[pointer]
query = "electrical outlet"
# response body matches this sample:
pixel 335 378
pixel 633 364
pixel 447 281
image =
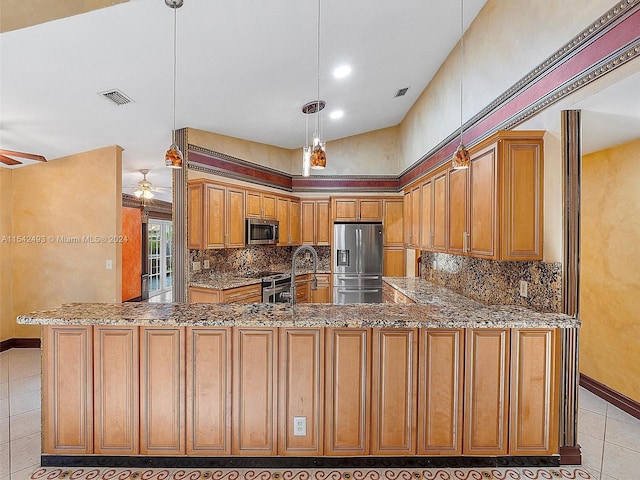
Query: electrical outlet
pixel 299 426
pixel 523 288
pixel 196 266
pixel 205 264
pixel 307 255
pixel 109 265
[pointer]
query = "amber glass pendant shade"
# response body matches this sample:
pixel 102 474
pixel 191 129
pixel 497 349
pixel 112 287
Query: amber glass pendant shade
pixel 461 158
pixel 173 158
pixel 318 158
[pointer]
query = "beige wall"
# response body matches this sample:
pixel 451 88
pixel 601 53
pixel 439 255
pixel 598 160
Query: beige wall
pixel 523 34
pixel 71 197
pixel 6 248
pixel 553 246
pixel 610 279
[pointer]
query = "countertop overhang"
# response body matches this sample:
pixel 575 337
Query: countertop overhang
pixel 436 307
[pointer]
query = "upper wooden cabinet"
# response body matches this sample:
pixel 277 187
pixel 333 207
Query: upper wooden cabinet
pixel 288 214
pixel 260 204
pixel 412 217
pixel 491 210
pixel 392 222
pixel 316 222
pixel 215 215
pixel 356 209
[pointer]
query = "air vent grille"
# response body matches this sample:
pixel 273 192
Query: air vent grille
pixel 401 92
pixel 116 96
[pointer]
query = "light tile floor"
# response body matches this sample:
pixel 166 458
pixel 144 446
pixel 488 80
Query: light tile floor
pixel 610 441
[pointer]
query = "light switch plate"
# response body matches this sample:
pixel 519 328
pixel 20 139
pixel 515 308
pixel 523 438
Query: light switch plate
pixel 196 266
pixel 523 288
pixel 205 264
pixel 109 265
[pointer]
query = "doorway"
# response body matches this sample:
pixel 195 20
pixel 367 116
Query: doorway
pixel 160 261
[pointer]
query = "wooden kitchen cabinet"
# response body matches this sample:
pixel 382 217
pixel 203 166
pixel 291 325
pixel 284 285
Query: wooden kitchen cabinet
pixel 316 222
pixel 288 215
pixel 412 217
pixel 245 294
pixel 393 262
pixel 301 392
pixel 260 204
pixel 348 394
pixel 440 399
pixel 302 288
pixel 533 420
pixel 394 391
pixel 393 222
pixel 486 403
pixel 208 387
pixel 391 295
pixel 356 209
pixel 255 380
pixel 67 394
pixel 323 293
pixel 426 215
pixel 162 391
pixel 440 209
pixel 116 390
pixel 457 219
pixel 215 215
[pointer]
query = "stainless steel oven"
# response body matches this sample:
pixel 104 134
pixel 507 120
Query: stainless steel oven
pixel 273 287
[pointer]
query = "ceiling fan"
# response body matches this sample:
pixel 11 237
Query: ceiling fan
pixel 144 188
pixel 7 157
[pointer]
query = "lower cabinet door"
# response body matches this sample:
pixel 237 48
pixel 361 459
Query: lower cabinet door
pixel 348 396
pixel 301 396
pixel 255 380
pixel 67 415
pixel 116 390
pixel 394 387
pixel 208 391
pixel 441 371
pixel 534 392
pixel 162 391
pixel 486 392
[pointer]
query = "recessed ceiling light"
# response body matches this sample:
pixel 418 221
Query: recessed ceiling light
pixel 342 71
pixel 336 114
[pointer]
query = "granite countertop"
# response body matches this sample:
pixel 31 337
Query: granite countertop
pixel 437 307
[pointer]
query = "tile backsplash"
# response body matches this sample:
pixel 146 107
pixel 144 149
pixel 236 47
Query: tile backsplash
pixel 497 283
pixel 240 262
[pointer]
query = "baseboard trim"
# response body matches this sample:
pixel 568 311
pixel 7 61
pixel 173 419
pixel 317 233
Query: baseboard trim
pixel 142 461
pixel 19 343
pixel 570 455
pixel 624 403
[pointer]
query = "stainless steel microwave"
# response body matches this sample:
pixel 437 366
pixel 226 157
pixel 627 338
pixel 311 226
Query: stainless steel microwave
pixel 262 232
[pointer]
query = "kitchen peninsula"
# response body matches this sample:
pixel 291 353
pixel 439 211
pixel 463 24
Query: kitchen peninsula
pixel 211 383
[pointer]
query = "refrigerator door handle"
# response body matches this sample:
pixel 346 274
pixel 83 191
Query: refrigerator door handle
pixel 361 277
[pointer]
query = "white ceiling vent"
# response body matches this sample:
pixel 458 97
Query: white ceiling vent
pixel 116 96
pixel 401 92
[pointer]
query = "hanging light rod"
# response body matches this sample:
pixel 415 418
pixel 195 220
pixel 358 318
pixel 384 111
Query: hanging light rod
pixel 173 158
pixel 174 3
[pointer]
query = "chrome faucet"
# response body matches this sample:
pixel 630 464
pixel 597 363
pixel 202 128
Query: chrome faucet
pixel 314 280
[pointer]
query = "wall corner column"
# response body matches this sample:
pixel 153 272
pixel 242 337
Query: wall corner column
pixel 180 253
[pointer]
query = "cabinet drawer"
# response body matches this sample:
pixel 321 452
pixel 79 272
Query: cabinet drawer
pixel 246 294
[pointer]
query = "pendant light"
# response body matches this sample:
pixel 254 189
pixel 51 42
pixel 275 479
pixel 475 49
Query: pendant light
pixel 461 158
pixel 314 156
pixel 173 158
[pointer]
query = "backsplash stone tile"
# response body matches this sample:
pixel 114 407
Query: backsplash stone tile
pixel 240 262
pixel 497 283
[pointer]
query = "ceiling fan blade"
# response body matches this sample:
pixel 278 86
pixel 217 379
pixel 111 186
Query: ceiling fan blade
pixel 29 156
pixel 8 161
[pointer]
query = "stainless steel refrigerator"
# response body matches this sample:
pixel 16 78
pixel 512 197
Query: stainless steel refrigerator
pixel 357 263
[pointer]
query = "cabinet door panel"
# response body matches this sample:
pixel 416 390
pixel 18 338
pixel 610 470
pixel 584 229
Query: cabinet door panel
pixel 393 403
pixel 426 215
pixel 208 391
pixel 370 210
pixel 282 215
pixel 301 391
pixel 268 206
pixel 67 410
pixel 215 212
pixel 486 392
pixel 440 207
pixel 393 262
pixel 534 392
pixel 323 223
pixel 195 215
pixel 235 218
pixel 440 394
pixel 294 222
pixel 345 209
pixel 347 401
pixel 483 204
pixel 393 222
pixel 253 202
pixel 254 381
pixel 116 390
pixel 522 210
pixel 162 391
pixel 308 209
pixel 457 210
